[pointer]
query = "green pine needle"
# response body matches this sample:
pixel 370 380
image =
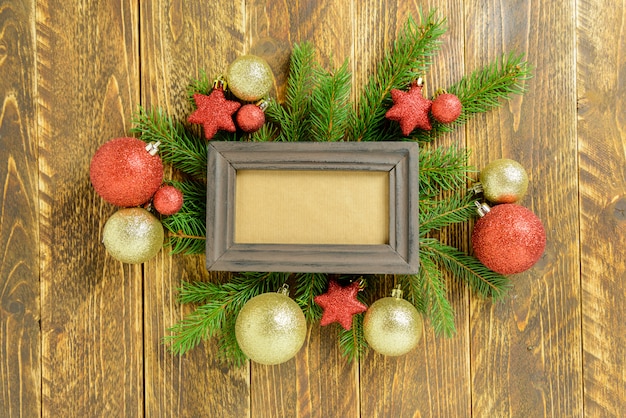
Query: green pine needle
pixel 484 90
pixel 437 214
pixel 228 348
pixel 219 303
pixel 467 268
pixel 409 59
pixel 266 133
pixel 442 169
pixel 201 85
pixel 294 118
pixel 352 342
pixel 330 104
pixel 204 322
pixel 178 147
pixel 310 285
pixel 187 227
pixel 433 286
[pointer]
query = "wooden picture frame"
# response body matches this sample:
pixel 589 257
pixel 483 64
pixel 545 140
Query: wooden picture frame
pixel 397 256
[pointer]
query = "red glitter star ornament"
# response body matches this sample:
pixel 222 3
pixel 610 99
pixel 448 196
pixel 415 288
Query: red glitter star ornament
pixel 339 304
pixel 410 109
pixel 214 112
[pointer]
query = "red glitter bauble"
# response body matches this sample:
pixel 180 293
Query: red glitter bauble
pixel 250 118
pixel 168 200
pixel 446 108
pixel 124 173
pixel 340 303
pixel 509 239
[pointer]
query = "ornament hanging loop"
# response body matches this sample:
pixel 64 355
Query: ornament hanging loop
pixel 153 148
pixel 219 83
pixel 283 290
pixel 264 103
pixel 482 208
pixel 397 292
pixel 477 188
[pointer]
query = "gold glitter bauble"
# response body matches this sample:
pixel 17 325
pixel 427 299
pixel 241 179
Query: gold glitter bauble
pixel 504 181
pixel 270 328
pixel 133 235
pixel 249 78
pixel 392 326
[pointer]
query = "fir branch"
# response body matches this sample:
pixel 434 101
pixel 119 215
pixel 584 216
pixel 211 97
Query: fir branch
pixel 197 292
pixel 443 168
pixel 310 285
pixel 465 267
pixel 440 312
pixel 187 227
pixel 409 58
pixel 294 119
pixel 330 104
pixel 352 342
pixel 178 147
pixel 437 214
pixel 204 322
pixel 221 302
pixel 265 134
pixel 483 90
pixel 228 347
pixel 412 290
pixel 202 85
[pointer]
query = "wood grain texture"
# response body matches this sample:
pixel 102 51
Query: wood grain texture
pixel 602 135
pixel 20 351
pixel 88 79
pixel 179 39
pixel 80 334
pixel 526 351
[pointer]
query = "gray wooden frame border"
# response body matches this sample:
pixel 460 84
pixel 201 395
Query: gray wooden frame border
pixel 400 159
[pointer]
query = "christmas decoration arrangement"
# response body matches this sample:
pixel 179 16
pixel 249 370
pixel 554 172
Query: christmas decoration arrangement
pixel 255 315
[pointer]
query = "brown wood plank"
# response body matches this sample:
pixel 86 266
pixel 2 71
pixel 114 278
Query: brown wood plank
pixel 88 84
pixel 434 379
pixel 20 371
pixel 318 382
pixel 526 357
pixel 178 40
pixel 601 90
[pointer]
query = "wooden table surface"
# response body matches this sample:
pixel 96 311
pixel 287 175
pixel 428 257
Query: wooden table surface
pixel 80 333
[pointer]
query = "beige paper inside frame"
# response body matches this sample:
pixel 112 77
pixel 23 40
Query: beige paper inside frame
pixel 312 207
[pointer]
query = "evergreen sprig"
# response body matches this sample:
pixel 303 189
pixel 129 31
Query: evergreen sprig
pixel 483 90
pixel 219 303
pixel 317 107
pixel 467 268
pixel 352 341
pixel 330 104
pixel 429 285
pixel 440 213
pixel 180 148
pixel 310 285
pixel 187 227
pixel 293 118
pixel 408 59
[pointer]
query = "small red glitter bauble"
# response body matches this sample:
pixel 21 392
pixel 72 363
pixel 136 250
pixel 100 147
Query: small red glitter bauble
pixel 168 200
pixel 446 108
pixel 250 118
pixel 124 173
pixel 509 239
